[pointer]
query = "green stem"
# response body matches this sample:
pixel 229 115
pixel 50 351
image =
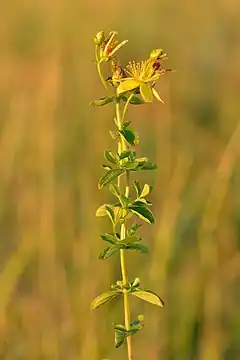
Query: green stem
pixel 99 68
pixel 126 106
pixel 121 148
pixel 101 76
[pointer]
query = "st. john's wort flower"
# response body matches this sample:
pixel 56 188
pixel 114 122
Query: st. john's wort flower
pixel 143 75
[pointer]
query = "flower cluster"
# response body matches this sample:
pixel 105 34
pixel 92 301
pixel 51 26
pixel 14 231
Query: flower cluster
pixel 137 77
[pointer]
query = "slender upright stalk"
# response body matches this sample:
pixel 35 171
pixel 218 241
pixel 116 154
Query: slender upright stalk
pixel 133 85
pixel 121 148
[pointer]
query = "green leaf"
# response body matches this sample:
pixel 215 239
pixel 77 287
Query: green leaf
pixel 133 229
pixel 148 296
pixel 126 125
pixel 109 176
pixel 142 159
pixel 141 202
pixel 137 247
pixel 101 211
pixel 119 338
pixel 130 136
pixel 110 212
pixel 107 167
pixel 147 166
pixel 145 191
pixel 125 154
pixel 137 187
pixel 127 85
pixel 135 100
pixel 103 298
pixel 146 92
pixel 130 165
pixel 120 328
pixel 130 239
pixel 109 251
pixel 110 238
pixel 119 214
pixel 136 282
pixel 114 190
pixel 143 213
pixel 103 101
pixel 111 157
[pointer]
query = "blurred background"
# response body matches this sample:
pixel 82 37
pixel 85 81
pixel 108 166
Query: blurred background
pixel 51 149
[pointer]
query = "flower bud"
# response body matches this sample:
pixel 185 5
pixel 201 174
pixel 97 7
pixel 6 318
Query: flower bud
pixel 156 53
pixel 136 282
pixel 99 38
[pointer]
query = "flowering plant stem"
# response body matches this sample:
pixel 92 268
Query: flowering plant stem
pixel 137 90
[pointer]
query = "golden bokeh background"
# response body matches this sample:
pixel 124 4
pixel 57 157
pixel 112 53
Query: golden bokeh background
pixel 51 149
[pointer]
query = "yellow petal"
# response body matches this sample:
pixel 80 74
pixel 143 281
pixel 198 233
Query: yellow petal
pixel 146 92
pixel 127 85
pixel 155 93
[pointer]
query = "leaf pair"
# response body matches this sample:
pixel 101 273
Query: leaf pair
pixel 121 332
pixel 116 213
pixel 135 100
pixel 113 174
pixel 129 243
pixel 129 134
pixel 145 295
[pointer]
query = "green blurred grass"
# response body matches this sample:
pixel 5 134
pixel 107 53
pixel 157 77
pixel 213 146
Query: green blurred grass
pixel 50 154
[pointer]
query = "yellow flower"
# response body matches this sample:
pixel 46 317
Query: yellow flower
pixel 143 75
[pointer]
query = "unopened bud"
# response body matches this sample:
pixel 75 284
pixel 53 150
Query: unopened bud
pixel 156 53
pixel 99 38
pixel 136 282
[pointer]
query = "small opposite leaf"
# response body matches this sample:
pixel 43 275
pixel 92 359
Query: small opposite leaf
pixel 110 156
pixel 136 282
pixel 147 166
pixel 119 338
pixel 107 167
pixel 119 214
pixel 106 253
pixel 130 165
pixel 137 187
pixel 131 239
pixel 101 211
pixel 142 159
pixel 135 100
pixel 126 124
pixel 145 190
pixel 109 176
pixel 125 154
pixel 110 238
pixel 130 136
pixel 133 229
pixel 103 101
pixel 110 213
pixel 103 298
pixel 148 296
pixel 143 213
pixel 138 247
pixel 114 190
